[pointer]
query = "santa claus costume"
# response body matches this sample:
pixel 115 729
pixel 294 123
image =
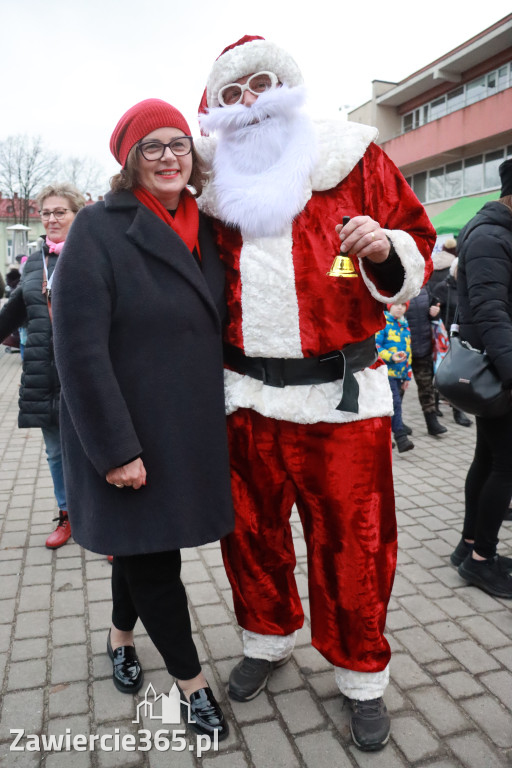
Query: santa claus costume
pixel 308 426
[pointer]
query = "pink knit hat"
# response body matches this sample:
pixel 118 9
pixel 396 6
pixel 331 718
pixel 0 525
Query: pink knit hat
pixel 141 119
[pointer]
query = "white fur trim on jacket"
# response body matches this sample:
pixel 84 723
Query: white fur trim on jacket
pixel 253 56
pixel 310 403
pixel 269 647
pixel 412 262
pixel 268 281
pixel 341 145
pixel 362 686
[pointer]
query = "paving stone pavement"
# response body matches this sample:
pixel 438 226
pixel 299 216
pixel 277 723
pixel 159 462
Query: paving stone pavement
pixel 451 672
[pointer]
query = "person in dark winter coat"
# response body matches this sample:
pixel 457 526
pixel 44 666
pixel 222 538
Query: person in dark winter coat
pixel 28 304
pixel 138 302
pixel 485 320
pixel 419 315
pixel 442 261
pixel 444 293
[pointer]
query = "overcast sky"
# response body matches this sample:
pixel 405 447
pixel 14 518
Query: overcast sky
pixel 70 69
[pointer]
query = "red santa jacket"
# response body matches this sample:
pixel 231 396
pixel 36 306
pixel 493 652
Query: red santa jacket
pixel 281 301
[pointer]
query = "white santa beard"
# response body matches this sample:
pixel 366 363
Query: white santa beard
pixel 263 163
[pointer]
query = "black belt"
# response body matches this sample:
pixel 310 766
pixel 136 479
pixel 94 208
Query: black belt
pixel 335 365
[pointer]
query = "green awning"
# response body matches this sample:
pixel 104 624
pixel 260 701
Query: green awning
pixel 451 221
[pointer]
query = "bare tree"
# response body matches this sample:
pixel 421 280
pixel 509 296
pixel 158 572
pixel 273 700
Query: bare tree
pixel 86 174
pixel 25 167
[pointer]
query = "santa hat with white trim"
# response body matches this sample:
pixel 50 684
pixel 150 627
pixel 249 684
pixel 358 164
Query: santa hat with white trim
pixel 248 55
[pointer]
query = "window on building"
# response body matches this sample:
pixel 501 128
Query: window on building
pixel 492 163
pixel 453 179
pixel 476 90
pixel 463 95
pixel 438 108
pixel 504 77
pixel 492 84
pixel 464 177
pixel 473 175
pixel 407 124
pixel 420 186
pixel 455 99
pixel 436 184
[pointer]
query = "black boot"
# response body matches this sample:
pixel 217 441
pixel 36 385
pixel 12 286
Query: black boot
pixel 433 425
pixel 403 443
pixel 438 411
pixel 460 417
pixel 407 430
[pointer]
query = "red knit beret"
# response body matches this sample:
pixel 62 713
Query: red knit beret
pixel 141 119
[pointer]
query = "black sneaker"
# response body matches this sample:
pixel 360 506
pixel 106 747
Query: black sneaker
pixel 250 676
pixel 489 575
pixel 369 724
pixel 463 549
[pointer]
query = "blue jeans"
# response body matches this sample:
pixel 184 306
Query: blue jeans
pixel 397 425
pixel 51 436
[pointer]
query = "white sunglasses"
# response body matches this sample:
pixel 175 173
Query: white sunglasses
pixel 233 93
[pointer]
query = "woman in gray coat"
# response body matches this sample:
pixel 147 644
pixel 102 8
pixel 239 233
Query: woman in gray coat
pixel 137 305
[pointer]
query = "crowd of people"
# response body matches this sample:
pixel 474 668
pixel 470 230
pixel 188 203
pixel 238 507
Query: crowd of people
pixel 202 285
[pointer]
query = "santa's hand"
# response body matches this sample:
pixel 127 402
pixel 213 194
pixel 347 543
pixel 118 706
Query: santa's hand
pixel 363 237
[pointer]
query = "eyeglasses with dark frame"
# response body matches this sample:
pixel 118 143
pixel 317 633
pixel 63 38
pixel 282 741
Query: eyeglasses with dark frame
pixel 59 213
pixel 155 150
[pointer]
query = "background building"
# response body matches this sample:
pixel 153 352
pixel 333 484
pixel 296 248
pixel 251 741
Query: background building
pixel 448 126
pixel 12 242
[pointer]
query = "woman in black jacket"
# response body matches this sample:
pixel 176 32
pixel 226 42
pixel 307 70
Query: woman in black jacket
pixel 419 316
pixel 138 301
pixel 28 304
pixel 485 318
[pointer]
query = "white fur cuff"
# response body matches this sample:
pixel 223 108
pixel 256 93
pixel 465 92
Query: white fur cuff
pixel 362 686
pixel 269 647
pixel 412 262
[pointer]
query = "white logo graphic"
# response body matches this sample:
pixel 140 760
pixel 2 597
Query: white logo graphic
pixel 167 709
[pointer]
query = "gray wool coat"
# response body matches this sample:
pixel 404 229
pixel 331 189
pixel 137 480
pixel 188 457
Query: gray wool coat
pixel 137 334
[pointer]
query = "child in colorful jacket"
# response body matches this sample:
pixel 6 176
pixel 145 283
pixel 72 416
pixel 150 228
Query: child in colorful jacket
pixel 394 346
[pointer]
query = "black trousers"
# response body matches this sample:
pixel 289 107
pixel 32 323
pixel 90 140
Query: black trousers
pixel 149 587
pixel 489 483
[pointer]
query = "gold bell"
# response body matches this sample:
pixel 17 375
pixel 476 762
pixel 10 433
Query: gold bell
pixel 342 266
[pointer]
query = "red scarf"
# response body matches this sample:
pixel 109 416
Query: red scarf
pixel 186 219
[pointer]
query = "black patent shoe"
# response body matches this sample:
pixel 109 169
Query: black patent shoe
pixel 127 674
pixel 206 716
pixel 369 724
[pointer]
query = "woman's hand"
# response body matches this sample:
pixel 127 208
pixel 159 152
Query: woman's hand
pixel 132 475
pixel 434 310
pixel 363 237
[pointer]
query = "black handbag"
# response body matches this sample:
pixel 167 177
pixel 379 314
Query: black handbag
pixel 469 381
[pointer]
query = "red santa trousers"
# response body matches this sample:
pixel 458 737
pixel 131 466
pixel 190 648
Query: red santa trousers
pixel 340 477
